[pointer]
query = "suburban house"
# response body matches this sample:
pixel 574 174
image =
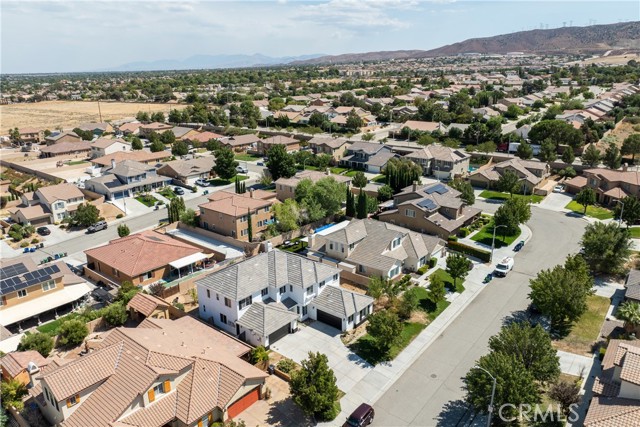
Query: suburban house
pixel 367 247
pixel 334 147
pixel 130 128
pixel 532 174
pixel 291 144
pixel 142 156
pixel 35 291
pixel 20 365
pixel 632 286
pixel 609 185
pixel 201 138
pixel 149 128
pixel 434 209
pixel 31 135
pixel 260 300
pixel 286 187
pixel 162 373
pixel 143 306
pixel 48 205
pixel 189 171
pixel 58 137
pixel 242 143
pixel 228 213
pixel 616 400
pixel 367 156
pixel 125 179
pixel 440 161
pixel 97 128
pixel 142 259
pixel 103 146
pixel 420 126
pixel 180 132
pixel 80 148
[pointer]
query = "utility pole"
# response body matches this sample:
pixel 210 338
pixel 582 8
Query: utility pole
pixel 99 110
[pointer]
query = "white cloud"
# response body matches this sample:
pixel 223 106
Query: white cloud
pixel 356 14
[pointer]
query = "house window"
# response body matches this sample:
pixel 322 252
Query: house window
pixel 145 276
pixel 410 213
pixel 218 297
pixel 351 318
pixel 227 302
pixel 282 290
pixel 264 292
pixel 159 389
pixel 361 268
pixel 243 219
pixel 73 400
pixel 321 284
pixel 245 302
pixel 48 285
pixel 266 209
pixel 115 272
pixel 208 293
pixel 22 293
pixel 59 205
pixel 304 310
pixel 310 290
pixel 422 261
pixel 204 308
pixel 331 246
pixel 244 232
pixel 290 288
pixel 335 277
pixel 223 319
pixel 394 271
pixel 395 243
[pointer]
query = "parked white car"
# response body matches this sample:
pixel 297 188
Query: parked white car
pixel 504 267
pixel 202 182
pixel 558 189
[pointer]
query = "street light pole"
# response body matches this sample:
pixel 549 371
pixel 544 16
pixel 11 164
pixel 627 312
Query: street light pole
pixel 493 241
pixel 621 212
pixel 493 392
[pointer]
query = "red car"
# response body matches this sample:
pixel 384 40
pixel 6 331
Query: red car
pixel 362 416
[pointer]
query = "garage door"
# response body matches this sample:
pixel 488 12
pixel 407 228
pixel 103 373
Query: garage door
pixel 40 221
pixel 243 403
pixel 330 319
pixel 278 334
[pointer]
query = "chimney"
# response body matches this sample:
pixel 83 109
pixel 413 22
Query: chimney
pixel 251 193
pixel 32 370
pixel 113 163
pixel 625 166
pixel 415 185
pixel 312 240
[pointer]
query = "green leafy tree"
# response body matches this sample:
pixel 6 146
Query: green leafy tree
pixel 169 138
pixel 377 286
pixel 487 147
pixel 509 182
pixel 158 116
pixel 276 104
pixel 351 204
pixel 258 355
pixel 115 314
pixel 531 346
pixel 287 215
pixel 126 291
pixel 457 267
pixel 313 388
pixel 189 217
pixel 86 214
pixel 213 145
pixel 515 385
pixel 321 199
pixel 586 197
pixel 354 122
pixel 629 313
pixel 385 327
pixel 401 173
pixel 591 156
pixel 408 303
pixel 175 208
pixel 464 187
pixel 511 214
pixel 143 117
pixel 437 289
pixel 42 343
pixel 630 210
pixel 359 180
pixel 180 148
pixel 557 131
pixel 72 333
pixel 157 146
pixel 136 143
pixel 612 158
pixel 631 145
pixel 385 193
pixel 226 163
pixel 12 393
pixel 548 152
pixel 123 230
pixel 361 207
pixel 606 247
pixel 525 152
pixel 566 394
pixel 567 156
pixel 280 163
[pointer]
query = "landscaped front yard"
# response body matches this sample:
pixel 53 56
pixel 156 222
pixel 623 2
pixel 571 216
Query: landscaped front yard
pixel 247 157
pixel 217 182
pixel 584 333
pixel 448 281
pixel 147 200
pixel 167 192
pixel 497 195
pixel 485 236
pixel 597 212
pixel 634 232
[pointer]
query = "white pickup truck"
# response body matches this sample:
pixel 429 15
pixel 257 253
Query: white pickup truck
pixel 503 267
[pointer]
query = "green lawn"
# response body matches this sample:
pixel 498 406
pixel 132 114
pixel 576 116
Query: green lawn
pixel 167 192
pixel 352 173
pixel 485 236
pixel 497 195
pixel 592 211
pixel 77 162
pixel 365 347
pixel 298 245
pixel 307 167
pixel 147 200
pixel 247 157
pixel 381 179
pixel 217 182
pixel 585 331
pixel 338 170
pixel 448 280
pixel 53 327
pixel 433 310
pixel 635 232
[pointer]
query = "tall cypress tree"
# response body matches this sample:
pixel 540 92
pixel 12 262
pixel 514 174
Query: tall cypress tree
pixel 351 205
pixel 250 227
pixel 362 205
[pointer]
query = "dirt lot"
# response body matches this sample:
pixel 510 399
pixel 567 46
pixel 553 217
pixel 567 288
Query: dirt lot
pixel 612 59
pixel 622 130
pixel 68 114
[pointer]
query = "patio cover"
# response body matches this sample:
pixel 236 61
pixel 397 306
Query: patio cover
pixel 188 260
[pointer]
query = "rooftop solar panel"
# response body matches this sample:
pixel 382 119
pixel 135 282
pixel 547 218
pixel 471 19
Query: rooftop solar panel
pixel 428 204
pixel 437 188
pixel 13 270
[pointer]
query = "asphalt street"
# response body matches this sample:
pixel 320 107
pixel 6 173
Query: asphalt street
pixel 430 392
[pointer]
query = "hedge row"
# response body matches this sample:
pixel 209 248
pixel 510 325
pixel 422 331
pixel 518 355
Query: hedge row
pixel 469 250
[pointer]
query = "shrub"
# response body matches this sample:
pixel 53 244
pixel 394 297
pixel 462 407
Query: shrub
pixel 469 250
pixel 119 216
pixel 34 241
pixel 258 355
pixel 116 314
pixel 423 269
pixel 72 332
pixel 432 262
pixel 24 244
pixel 453 238
pixel 286 365
pixel 464 232
pixel 42 343
pixel 179 306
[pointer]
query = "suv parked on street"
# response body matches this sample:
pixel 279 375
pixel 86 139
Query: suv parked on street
pixel 362 416
pixel 100 225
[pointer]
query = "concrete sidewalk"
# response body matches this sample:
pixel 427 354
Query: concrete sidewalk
pixel 575 364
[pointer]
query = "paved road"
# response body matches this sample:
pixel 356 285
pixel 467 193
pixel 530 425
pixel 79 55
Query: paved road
pixel 429 392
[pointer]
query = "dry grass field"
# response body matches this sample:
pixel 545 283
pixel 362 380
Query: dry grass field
pixel 618 134
pixel 610 60
pixel 68 114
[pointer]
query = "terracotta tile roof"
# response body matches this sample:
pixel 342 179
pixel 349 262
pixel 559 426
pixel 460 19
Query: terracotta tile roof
pixel 613 412
pixel 32 212
pixel 67 147
pixel 137 155
pixel 141 252
pixel 130 127
pixel 63 191
pixel 605 387
pixel 146 304
pixel 424 126
pixel 156 126
pixel 280 139
pixel 16 362
pixel 240 140
pixel 204 136
pixel 158 413
pixel 106 142
pixel 234 204
pixel 630 371
pixel 314 176
pixel 614 175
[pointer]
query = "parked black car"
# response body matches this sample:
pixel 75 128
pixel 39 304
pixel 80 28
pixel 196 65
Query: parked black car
pixel 519 246
pixel 179 191
pixel 362 416
pixel 43 231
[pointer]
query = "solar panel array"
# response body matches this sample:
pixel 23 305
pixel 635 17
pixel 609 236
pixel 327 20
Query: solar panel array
pixel 12 270
pixel 25 279
pixel 428 204
pixel 438 188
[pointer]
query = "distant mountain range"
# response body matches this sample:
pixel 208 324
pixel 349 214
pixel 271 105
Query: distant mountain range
pixel 198 62
pixel 590 40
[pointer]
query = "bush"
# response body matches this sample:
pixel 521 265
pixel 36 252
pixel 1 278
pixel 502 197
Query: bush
pixel 119 216
pixel 34 241
pixel 179 306
pixel 258 355
pixel 286 365
pixel 464 232
pixel 116 314
pixel 423 269
pixel 453 238
pixel 469 250
pixel 42 343
pixel 72 333
pixel 432 262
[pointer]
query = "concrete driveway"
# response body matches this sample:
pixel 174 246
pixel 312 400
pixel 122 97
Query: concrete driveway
pixel 556 202
pixel 348 367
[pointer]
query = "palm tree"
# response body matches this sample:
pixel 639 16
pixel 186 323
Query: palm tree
pixel 630 313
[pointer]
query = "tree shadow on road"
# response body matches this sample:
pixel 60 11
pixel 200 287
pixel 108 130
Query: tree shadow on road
pixel 455 413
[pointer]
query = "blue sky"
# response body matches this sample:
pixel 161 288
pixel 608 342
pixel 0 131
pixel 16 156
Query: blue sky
pixel 81 35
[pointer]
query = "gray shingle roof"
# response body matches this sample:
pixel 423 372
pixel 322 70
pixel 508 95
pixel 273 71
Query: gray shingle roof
pixel 633 278
pixel 271 269
pixel 341 302
pixel 265 319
